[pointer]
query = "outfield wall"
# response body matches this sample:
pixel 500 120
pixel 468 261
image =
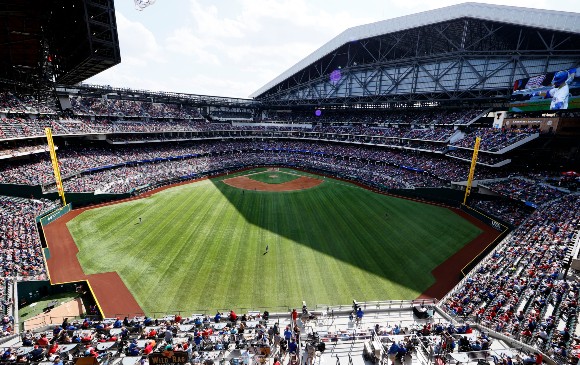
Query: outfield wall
pixel 22 191
pixel 492 222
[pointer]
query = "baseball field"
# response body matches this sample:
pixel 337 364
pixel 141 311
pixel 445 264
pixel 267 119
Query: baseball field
pixel 246 240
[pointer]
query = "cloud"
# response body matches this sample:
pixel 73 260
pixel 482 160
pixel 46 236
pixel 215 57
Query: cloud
pixel 210 22
pixel 184 41
pixel 138 44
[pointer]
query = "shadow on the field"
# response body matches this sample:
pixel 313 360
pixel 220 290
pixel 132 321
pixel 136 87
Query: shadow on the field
pixel 332 233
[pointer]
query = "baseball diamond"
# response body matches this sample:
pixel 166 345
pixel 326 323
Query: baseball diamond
pixel 215 232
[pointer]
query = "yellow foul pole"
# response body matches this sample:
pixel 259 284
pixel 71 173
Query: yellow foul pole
pixel 472 169
pixel 55 166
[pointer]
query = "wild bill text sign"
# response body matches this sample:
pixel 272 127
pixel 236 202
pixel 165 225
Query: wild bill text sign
pixel 168 358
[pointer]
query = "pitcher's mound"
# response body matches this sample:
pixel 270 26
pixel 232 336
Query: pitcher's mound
pixel 243 182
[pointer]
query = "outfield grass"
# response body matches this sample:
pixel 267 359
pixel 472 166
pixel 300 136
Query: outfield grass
pixel 201 246
pixel 273 177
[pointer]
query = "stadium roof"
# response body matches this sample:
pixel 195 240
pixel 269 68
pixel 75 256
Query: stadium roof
pixel 535 18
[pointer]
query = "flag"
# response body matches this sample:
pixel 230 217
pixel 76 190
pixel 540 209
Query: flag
pixel 535 81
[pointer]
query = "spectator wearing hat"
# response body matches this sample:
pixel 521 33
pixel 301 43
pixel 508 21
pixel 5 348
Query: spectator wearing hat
pixel 37 354
pixel 86 324
pixel 565 335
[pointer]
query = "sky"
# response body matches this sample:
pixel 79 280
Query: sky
pixel 232 48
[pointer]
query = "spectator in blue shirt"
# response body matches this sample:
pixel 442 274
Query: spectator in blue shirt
pixel 359 315
pixel 287 334
pixel 118 323
pixel 292 346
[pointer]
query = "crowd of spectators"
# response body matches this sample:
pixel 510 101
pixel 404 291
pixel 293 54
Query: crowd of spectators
pixel 526 190
pixel 520 289
pixel 126 178
pixel 104 115
pixel 399 137
pixel 512 212
pixel 432 139
pixel 7 305
pixel 485 158
pixel 17 126
pixel 414 117
pixel 199 336
pixel 427 134
pixel 231 115
pixel 11 102
pixel 89 106
pixel 252 337
pixel 494 139
pixel 20 251
pixel 423 139
pixel 22 149
pixel 38 170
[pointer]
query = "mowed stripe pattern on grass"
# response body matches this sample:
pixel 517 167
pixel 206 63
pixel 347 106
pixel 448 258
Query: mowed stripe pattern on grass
pixel 201 246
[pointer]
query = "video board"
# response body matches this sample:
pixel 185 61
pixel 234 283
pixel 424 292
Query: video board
pixel 551 91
